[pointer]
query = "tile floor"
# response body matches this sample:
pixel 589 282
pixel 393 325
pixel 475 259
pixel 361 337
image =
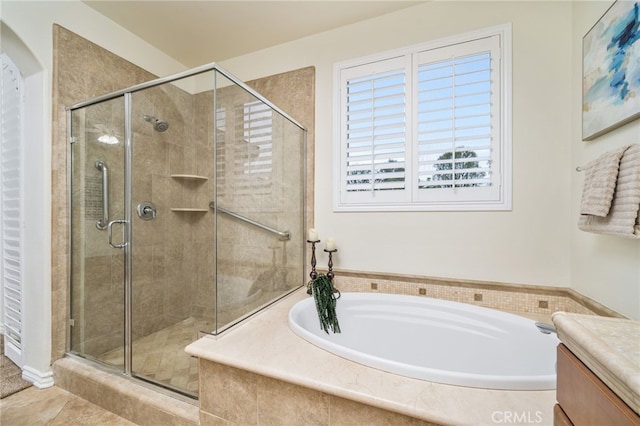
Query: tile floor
pixel 160 356
pixel 54 407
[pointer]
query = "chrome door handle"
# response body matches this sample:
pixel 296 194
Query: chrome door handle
pixel 110 233
pixel 102 223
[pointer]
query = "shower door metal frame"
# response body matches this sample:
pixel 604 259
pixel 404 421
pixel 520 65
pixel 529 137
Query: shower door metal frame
pixel 213 66
pixel 128 234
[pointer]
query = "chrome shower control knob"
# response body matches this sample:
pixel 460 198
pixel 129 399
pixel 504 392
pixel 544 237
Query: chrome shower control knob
pixel 146 210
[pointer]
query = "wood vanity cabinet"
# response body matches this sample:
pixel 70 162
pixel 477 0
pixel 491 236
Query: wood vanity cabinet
pixel 584 400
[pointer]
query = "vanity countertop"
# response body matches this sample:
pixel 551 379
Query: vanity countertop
pixel 265 345
pixel 609 347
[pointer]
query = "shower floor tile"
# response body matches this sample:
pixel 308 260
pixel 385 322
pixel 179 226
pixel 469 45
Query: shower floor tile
pixel 160 356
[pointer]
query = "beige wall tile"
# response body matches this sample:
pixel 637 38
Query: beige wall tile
pixel 346 412
pixel 281 403
pixel 207 419
pixel 229 393
pixel 242 397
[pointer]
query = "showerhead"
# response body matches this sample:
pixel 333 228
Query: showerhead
pixel 161 125
pixel 158 125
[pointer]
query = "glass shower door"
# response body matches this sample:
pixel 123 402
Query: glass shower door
pixel 173 261
pixel 187 213
pixel 97 212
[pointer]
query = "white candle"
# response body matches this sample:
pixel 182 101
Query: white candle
pixel 331 245
pixel 313 234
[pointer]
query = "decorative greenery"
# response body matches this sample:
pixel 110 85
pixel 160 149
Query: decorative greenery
pixel 325 299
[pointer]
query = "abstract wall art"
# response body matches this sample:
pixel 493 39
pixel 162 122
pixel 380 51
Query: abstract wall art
pixel 611 70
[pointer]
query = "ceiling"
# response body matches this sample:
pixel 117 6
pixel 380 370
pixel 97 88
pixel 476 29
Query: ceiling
pixel 199 32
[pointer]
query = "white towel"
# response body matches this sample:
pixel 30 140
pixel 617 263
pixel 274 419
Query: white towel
pixel 622 219
pixel 600 178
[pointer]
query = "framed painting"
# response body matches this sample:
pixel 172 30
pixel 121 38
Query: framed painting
pixel 611 70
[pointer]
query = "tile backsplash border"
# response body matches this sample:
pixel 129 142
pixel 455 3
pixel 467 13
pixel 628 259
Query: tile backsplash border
pixel 509 297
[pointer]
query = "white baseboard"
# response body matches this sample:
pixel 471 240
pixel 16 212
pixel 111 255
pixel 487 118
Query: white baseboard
pixel 40 379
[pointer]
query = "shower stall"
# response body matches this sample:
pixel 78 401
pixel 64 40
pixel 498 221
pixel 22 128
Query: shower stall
pixel 187 216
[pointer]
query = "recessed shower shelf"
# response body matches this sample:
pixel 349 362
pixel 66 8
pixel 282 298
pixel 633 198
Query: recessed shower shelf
pixel 190 177
pixel 183 209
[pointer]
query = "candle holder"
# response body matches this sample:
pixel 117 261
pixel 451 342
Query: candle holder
pixel 330 273
pixel 313 274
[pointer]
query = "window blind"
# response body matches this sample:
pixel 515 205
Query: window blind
pixel 454 122
pixel 245 165
pixel 256 158
pixel 375 132
pixel 426 127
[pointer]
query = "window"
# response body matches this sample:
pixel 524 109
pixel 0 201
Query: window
pixel 426 127
pixel 256 156
pixel 245 162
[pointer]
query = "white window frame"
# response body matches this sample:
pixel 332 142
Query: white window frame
pixel 498 198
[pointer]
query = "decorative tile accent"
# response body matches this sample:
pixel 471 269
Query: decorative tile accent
pixel 515 298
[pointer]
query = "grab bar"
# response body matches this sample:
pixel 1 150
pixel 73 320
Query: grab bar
pixel 102 223
pixel 284 235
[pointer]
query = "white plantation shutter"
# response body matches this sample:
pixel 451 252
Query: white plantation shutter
pixel 256 162
pixel 11 203
pixel 458 111
pixel 245 162
pixel 374 131
pixel 221 146
pixel 426 127
pixel 258 133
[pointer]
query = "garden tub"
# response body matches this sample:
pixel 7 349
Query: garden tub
pixel 435 340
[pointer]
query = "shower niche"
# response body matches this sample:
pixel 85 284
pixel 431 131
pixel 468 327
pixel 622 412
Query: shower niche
pixel 190 184
pixel 224 169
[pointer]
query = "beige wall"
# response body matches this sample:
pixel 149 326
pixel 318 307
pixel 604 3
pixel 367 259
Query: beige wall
pixel 538 242
pixel 528 245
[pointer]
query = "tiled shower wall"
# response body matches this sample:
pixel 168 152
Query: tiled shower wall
pixel 174 260
pixel 169 259
pixel 79 74
pixel 172 253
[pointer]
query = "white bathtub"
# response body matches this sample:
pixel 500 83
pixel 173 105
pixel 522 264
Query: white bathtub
pixel 435 340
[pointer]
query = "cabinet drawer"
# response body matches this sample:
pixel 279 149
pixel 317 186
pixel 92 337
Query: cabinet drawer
pixel 585 398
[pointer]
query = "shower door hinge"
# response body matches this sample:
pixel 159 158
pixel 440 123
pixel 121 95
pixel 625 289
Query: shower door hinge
pixel 72 322
pixel 73 139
